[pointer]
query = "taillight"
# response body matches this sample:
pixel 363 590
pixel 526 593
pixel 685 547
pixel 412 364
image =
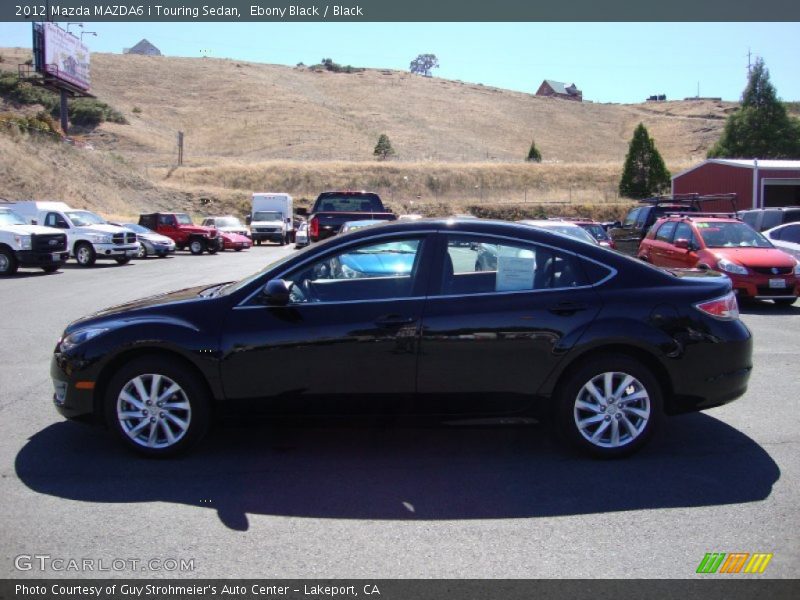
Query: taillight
pixel 725 308
pixel 313 227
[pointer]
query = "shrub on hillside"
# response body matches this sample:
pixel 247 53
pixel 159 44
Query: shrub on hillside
pixel 327 64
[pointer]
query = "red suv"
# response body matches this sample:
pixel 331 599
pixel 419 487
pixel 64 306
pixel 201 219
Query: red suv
pixel 756 268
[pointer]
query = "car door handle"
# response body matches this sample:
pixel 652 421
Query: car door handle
pixel 394 321
pixel 567 308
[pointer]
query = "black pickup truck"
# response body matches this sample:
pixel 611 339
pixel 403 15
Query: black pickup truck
pixel 334 209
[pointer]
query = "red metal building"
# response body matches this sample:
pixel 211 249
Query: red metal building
pixel 756 183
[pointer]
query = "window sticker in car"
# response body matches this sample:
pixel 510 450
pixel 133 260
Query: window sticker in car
pixel 514 273
pixel 701 225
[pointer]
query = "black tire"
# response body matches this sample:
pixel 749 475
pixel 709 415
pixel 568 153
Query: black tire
pixel 784 301
pixel 51 268
pixel 152 439
pixel 8 262
pixel 258 242
pixel 142 251
pixel 85 254
pixel 643 394
pixel 197 246
pixel 123 261
pixel 214 247
pixel 282 241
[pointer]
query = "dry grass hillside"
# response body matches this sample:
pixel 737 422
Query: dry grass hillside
pixel 252 126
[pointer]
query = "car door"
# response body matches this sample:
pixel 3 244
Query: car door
pixel 346 342
pixel 499 317
pixel 685 258
pixel 662 253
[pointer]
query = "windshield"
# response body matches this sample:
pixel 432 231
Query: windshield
pixel 227 222
pixel 233 287
pixel 136 228
pixel 721 234
pixel 82 218
pixel 267 215
pixel 9 217
pixel 183 219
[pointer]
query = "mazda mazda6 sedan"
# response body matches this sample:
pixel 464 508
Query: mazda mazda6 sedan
pixel 403 319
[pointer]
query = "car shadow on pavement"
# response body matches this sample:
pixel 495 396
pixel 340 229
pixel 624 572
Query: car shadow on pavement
pixel 408 472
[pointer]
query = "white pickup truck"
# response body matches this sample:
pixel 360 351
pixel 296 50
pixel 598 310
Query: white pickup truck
pixel 89 236
pixel 24 245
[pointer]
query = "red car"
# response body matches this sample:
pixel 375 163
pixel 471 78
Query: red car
pixel 234 241
pixel 756 268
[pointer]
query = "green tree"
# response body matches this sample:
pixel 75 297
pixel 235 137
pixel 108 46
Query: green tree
pixel 383 149
pixel 644 173
pixel 533 154
pixel 761 128
pixel 423 64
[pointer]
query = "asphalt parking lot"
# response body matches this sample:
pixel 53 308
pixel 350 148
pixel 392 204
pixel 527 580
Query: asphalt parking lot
pixel 308 500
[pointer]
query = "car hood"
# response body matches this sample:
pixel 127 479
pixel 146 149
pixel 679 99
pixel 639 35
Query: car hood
pixel 135 307
pixel 155 237
pixel 37 229
pixel 239 230
pixel 755 257
pixel 104 228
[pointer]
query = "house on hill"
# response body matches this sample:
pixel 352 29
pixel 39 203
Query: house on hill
pixel 556 89
pixel 143 47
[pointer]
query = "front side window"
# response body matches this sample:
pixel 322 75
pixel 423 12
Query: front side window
pixel 184 219
pixel 664 233
pixel 372 271
pixel 475 265
pixel 55 220
pixel 684 232
pixel 167 220
pixel 631 218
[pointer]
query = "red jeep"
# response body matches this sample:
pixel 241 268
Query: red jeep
pixel 179 227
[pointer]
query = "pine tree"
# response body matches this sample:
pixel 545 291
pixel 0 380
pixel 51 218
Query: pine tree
pixel 533 154
pixel 383 149
pixel 761 128
pixel 644 173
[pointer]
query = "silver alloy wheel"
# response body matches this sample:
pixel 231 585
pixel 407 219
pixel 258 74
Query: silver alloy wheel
pixel 196 247
pixel 612 409
pixel 84 255
pixel 153 411
pixel 142 253
pixel 4 263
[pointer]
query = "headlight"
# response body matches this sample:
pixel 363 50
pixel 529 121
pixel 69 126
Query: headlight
pixel 731 267
pixel 100 239
pixel 23 241
pixel 81 336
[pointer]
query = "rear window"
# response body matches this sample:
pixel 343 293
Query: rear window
pixel 349 203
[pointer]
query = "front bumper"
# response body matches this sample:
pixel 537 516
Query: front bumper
pixel 31 258
pixel 270 236
pixel 71 401
pixel 765 287
pixel 236 245
pixel 116 250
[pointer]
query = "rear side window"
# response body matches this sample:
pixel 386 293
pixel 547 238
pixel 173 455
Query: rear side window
pixel 790 234
pixel 664 233
pixel 475 265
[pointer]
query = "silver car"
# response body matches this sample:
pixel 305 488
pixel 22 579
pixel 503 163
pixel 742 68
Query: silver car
pixel 150 242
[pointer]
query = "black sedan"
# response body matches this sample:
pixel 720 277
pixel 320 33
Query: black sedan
pixel 601 342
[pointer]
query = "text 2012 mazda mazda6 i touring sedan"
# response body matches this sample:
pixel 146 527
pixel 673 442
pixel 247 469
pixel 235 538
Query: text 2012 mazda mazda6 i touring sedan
pixel 405 319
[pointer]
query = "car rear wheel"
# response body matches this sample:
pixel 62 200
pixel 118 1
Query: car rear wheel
pixel 784 301
pixel 123 261
pixel 197 246
pixel 157 407
pixel 609 407
pixel 8 262
pixel 51 268
pixel 85 254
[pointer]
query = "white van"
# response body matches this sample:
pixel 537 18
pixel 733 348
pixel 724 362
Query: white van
pixel 89 236
pixel 270 218
pixel 24 245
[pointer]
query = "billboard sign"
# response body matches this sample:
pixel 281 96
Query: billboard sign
pixel 65 57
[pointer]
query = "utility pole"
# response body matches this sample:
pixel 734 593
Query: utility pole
pixel 749 65
pixel 180 148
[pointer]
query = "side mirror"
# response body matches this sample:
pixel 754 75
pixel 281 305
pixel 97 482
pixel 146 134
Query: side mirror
pixel 277 292
pixel 682 244
pixel 302 211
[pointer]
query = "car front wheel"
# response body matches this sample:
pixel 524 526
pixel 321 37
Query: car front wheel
pixel 157 407
pixel 609 407
pixel 85 254
pixel 197 246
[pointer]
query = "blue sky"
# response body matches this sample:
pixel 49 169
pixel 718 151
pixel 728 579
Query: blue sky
pixel 610 62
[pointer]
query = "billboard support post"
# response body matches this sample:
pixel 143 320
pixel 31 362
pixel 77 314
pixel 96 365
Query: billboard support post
pixel 64 120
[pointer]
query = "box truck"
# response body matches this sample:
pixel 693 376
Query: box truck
pixel 271 218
